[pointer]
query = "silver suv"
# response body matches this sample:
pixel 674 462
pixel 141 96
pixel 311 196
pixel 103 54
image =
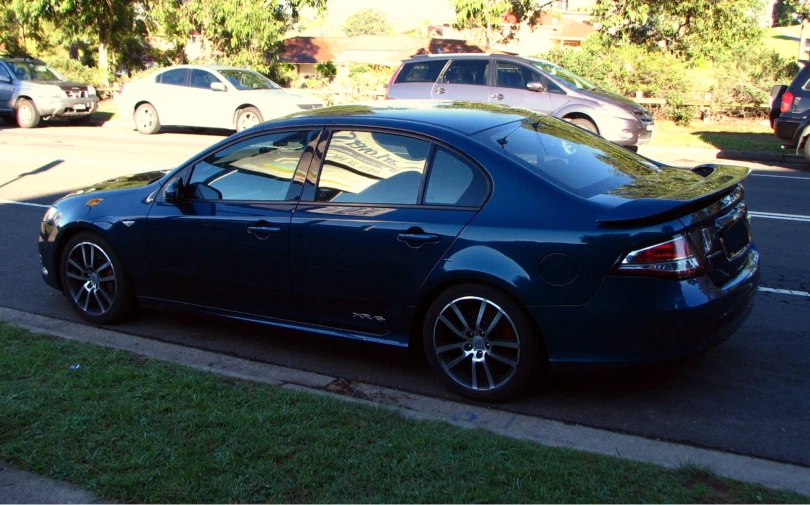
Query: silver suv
pixel 30 91
pixel 523 82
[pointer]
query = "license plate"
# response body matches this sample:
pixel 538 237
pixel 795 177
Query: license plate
pixel 735 238
pixel 80 106
pixel 650 127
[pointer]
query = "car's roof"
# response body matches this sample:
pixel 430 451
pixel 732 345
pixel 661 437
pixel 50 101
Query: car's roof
pixel 511 57
pixel 464 117
pixel 23 60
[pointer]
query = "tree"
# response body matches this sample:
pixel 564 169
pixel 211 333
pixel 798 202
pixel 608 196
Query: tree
pixel 691 29
pixel 498 20
pixel 367 22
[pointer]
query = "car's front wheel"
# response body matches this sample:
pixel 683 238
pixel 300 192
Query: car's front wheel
pixel 95 281
pixel 27 114
pixel 247 117
pixel 585 124
pixel 480 342
pixel 146 119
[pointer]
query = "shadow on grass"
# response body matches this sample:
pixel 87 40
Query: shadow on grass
pixel 731 141
pixel 786 37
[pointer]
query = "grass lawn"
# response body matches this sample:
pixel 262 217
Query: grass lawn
pixel 136 430
pixel 784 39
pixel 107 110
pixel 737 134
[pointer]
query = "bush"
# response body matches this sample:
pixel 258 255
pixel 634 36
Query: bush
pixel 75 71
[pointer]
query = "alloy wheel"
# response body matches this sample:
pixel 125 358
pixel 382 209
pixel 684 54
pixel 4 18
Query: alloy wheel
pixel 476 343
pixel 91 278
pixel 247 119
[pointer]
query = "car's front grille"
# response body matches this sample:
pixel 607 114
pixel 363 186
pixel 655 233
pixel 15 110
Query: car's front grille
pixel 76 93
pixel 643 115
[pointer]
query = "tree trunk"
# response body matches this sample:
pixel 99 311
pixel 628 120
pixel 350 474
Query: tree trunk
pixel 103 64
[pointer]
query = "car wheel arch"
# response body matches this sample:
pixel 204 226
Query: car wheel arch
pixel 20 98
pixel 242 107
pixel 581 115
pixel 65 234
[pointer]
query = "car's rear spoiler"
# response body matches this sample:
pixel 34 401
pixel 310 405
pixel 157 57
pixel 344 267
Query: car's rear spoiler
pixel 718 181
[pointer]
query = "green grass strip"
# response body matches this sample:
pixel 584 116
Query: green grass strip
pixel 138 430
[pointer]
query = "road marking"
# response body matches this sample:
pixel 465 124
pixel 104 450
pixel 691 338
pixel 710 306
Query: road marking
pixel 786 292
pixel 781 176
pixel 25 204
pixel 784 217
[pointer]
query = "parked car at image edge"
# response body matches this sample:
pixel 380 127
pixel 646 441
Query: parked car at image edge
pixel 790 112
pixel 523 82
pixel 498 239
pixel 31 91
pixel 208 96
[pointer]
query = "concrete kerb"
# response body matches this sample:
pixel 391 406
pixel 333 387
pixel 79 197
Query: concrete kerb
pixel 772 474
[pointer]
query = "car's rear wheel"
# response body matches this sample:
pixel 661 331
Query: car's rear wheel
pixel 480 342
pixel 27 115
pixel 247 117
pixel 146 119
pixel 807 150
pixel 95 281
pixel 583 123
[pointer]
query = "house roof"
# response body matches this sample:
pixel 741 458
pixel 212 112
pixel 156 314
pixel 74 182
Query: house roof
pixel 573 30
pixel 373 49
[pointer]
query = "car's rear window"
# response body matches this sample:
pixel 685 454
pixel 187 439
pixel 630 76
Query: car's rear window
pixel 420 71
pixel 574 159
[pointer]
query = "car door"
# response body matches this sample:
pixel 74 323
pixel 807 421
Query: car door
pixel 6 89
pixel 225 243
pixel 463 79
pixel 169 95
pixel 215 108
pixel 510 87
pixel 363 239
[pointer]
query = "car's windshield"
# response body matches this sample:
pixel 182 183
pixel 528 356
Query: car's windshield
pixel 247 80
pixel 561 73
pixel 570 157
pixel 34 71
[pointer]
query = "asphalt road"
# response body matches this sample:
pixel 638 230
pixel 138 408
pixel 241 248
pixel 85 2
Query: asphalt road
pixel 749 395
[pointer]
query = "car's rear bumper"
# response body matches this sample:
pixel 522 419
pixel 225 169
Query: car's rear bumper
pixel 785 129
pixel 640 320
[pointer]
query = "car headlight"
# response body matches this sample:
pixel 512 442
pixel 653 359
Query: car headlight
pixel 51 215
pixel 91 90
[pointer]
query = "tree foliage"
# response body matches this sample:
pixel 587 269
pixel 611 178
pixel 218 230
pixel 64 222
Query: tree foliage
pixel 498 20
pixel 367 22
pixel 789 12
pixel 692 29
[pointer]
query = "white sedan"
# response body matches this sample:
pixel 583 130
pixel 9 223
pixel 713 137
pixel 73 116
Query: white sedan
pixel 207 96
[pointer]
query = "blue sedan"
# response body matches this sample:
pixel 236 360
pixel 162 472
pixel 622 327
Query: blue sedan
pixel 497 239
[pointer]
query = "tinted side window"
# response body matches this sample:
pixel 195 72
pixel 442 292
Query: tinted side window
pixel 421 71
pixel 4 72
pixel 176 77
pixel 369 167
pixel 257 169
pixel 202 79
pixel 510 75
pixel 454 182
pixel 466 72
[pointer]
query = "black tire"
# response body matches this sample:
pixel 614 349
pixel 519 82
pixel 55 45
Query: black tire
pixel 807 150
pixel 247 117
pixel 27 115
pixel 583 123
pixel 146 119
pixel 495 357
pixel 95 281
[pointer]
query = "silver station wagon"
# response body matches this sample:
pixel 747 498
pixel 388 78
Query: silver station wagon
pixel 523 82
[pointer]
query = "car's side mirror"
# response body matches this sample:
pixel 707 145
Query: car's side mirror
pixel 218 86
pixel 535 86
pixel 173 191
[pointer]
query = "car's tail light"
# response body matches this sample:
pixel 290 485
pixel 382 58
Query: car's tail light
pixel 673 259
pixel 787 101
pixel 391 81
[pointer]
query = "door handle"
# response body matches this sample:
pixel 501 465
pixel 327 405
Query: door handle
pixel 440 91
pixel 264 231
pixel 497 96
pixel 417 239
